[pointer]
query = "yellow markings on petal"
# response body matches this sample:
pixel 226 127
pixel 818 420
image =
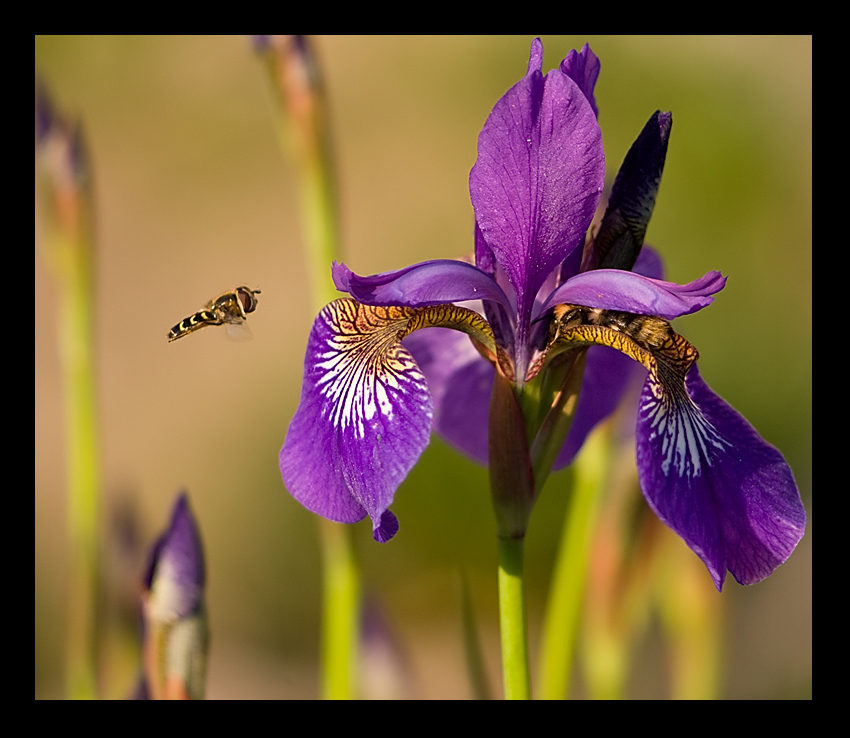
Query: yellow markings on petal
pixel 688 439
pixel 364 369
pixel 392 323
pixel 645 338
pixel 453 316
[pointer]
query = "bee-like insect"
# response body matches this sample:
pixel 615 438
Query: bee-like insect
pixel 646 330
pixel 230 309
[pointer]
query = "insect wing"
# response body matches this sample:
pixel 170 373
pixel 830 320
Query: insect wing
pixel 238 331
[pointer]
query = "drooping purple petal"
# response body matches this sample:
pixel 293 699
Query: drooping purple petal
pixel 708 475
pixel 460 381
pixel 429 283
pixel 538 177
pixel 583 68
pixel 612 289
pixel 363 420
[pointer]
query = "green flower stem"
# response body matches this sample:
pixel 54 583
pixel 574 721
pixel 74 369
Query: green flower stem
pixel 75 308
pixel 70 255
pixel 512 622
pixel 512 491
pixel 565 598
pixel 303 132
pixel 340 608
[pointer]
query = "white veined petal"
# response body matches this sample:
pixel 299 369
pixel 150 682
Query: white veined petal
pixel 687 438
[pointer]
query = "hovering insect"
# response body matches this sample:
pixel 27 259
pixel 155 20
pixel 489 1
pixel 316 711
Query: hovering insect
pixel 230 309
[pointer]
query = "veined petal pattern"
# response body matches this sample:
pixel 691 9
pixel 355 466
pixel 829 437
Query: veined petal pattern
pixel 364 417
pixel 709 475
pixel 365 412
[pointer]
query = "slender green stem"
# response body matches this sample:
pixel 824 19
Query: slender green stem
pixel 304 133
pixel 70 254
pixel 564 606
pixel 512 620
pixel 474 657
pixel 83 488
pixel 340 610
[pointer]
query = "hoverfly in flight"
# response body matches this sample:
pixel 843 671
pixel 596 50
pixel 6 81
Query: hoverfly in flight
pixel 230 309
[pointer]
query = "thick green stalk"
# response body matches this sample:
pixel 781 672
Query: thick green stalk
pixel 558 418
pixel 512 490
pixel 512 621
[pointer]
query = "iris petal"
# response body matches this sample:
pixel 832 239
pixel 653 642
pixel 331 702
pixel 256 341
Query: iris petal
pixel 365 412
pixel 703 469
pixel 583 68
pixel 613 289
pixel 538 177
pixel 708 475
pixel 434 282
pixel 363 420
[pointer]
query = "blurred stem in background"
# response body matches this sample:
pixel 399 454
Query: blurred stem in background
pixel 304 133
pixel 563 610
pixel 615 561
pixel 692 617
pixel 633 573
pixel 66 195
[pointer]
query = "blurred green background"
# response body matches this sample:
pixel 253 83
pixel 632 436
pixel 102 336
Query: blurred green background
pixel 194 197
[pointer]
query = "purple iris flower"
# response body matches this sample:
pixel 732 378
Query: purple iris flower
pixel 542 287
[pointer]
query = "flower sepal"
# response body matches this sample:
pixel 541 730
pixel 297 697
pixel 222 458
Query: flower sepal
pixel 713 479
pixel 365 412
pixel 703 468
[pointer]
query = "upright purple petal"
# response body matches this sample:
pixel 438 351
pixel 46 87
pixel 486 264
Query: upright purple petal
pixel 612 289
pixel 538 177
pixel 708 475
pixel 363 420
pixel 502 319
pixel 583 68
